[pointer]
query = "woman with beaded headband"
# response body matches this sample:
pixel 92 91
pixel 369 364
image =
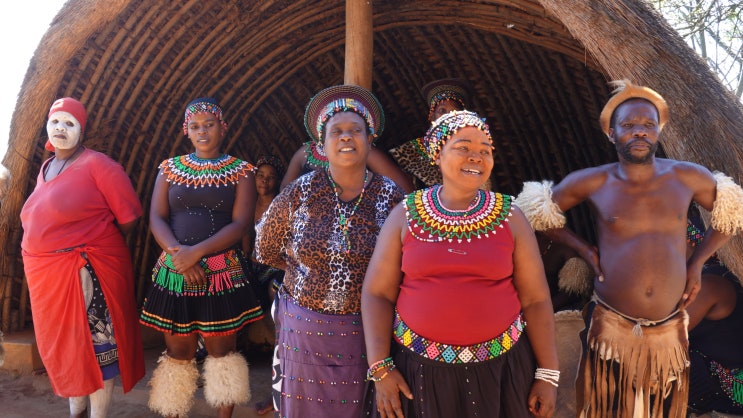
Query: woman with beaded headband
pixel 269 170
pixel 456 270
pixel 202 205
pixel 321 231
pixel 79 269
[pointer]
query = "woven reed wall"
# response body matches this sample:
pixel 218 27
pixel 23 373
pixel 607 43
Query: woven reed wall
pixel 135 64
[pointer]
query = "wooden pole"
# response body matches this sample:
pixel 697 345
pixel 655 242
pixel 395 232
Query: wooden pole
pixel 359 43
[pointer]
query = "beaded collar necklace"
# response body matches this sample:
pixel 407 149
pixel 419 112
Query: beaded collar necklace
pixel 420 148
pixel 430 221
pixel 192 171
pixel 343 221
pixel 316 157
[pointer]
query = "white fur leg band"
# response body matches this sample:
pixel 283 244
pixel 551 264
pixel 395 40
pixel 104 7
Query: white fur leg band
pixel 575 277
pixel 226 380
pixel 535 200
pixel 172 386
pixel 727 212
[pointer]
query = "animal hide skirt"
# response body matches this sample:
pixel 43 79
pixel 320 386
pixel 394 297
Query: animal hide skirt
pixel 630 369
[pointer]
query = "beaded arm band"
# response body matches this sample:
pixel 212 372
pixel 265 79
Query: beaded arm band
pixel 377 366
pixel 548 375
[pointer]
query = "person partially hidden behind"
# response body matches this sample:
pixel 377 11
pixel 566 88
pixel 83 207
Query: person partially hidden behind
pixel 715 338
pixel 635 344
pixel 442 96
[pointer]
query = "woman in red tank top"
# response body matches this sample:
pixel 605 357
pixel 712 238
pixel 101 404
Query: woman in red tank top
pixel 456 270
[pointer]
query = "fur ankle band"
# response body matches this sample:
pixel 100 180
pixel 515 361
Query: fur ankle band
pixel 226 380
pixel 172 386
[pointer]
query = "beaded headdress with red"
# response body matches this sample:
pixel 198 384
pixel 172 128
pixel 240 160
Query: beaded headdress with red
pixel 343 98
pixel 202 105
pixel 445 89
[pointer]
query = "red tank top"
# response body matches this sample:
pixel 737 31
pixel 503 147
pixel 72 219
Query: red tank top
pixel 458 293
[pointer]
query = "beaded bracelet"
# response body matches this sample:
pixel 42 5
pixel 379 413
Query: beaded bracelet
pixel 548 375
pixel 377 366
pixel 377 379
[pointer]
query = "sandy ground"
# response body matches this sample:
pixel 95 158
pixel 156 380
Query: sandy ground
pixel 31 396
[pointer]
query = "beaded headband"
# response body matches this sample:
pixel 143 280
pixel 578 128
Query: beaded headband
pixel 273 161
pixel 445 89
pixel 447 125
pixel 202 105
pixel 342 98
pixel 625 90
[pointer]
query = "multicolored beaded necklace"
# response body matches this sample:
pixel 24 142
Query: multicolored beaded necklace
pixel 420 148
pixel 192 171
pixel 430 221
pixel 343 221
pixel 316 156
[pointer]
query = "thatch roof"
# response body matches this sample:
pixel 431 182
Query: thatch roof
pixel 539 70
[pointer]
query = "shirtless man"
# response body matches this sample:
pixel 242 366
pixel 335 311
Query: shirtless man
pixel 643 282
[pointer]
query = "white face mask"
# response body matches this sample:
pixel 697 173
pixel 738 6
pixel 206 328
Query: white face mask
pixel 63 130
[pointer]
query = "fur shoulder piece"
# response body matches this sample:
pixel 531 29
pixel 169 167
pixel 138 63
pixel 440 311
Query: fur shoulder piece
pixel 727 212
pixel 535 200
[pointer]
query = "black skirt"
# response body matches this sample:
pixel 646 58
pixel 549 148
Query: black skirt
pixel 497 388
pixel 223 306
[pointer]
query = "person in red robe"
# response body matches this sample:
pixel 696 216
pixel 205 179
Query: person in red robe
pixel 79 269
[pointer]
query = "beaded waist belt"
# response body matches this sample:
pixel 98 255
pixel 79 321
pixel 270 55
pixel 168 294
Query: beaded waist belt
pixel 447 353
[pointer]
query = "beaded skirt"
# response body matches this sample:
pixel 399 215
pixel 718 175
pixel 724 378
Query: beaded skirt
pixel 222 306
pixel 322 360
pixel 713 387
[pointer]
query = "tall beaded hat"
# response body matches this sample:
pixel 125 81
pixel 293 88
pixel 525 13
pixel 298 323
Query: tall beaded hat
pixel 202 105
pixel 624 90
pixel 447 125
pixel 445 89
pixel 343 98
pixel 274 162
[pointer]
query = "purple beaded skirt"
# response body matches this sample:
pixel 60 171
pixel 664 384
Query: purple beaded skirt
pixel 323 362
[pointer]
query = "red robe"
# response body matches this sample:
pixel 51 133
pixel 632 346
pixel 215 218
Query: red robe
pixel 76 211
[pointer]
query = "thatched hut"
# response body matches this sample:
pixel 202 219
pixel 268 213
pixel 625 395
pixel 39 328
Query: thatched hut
pixel 539 70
